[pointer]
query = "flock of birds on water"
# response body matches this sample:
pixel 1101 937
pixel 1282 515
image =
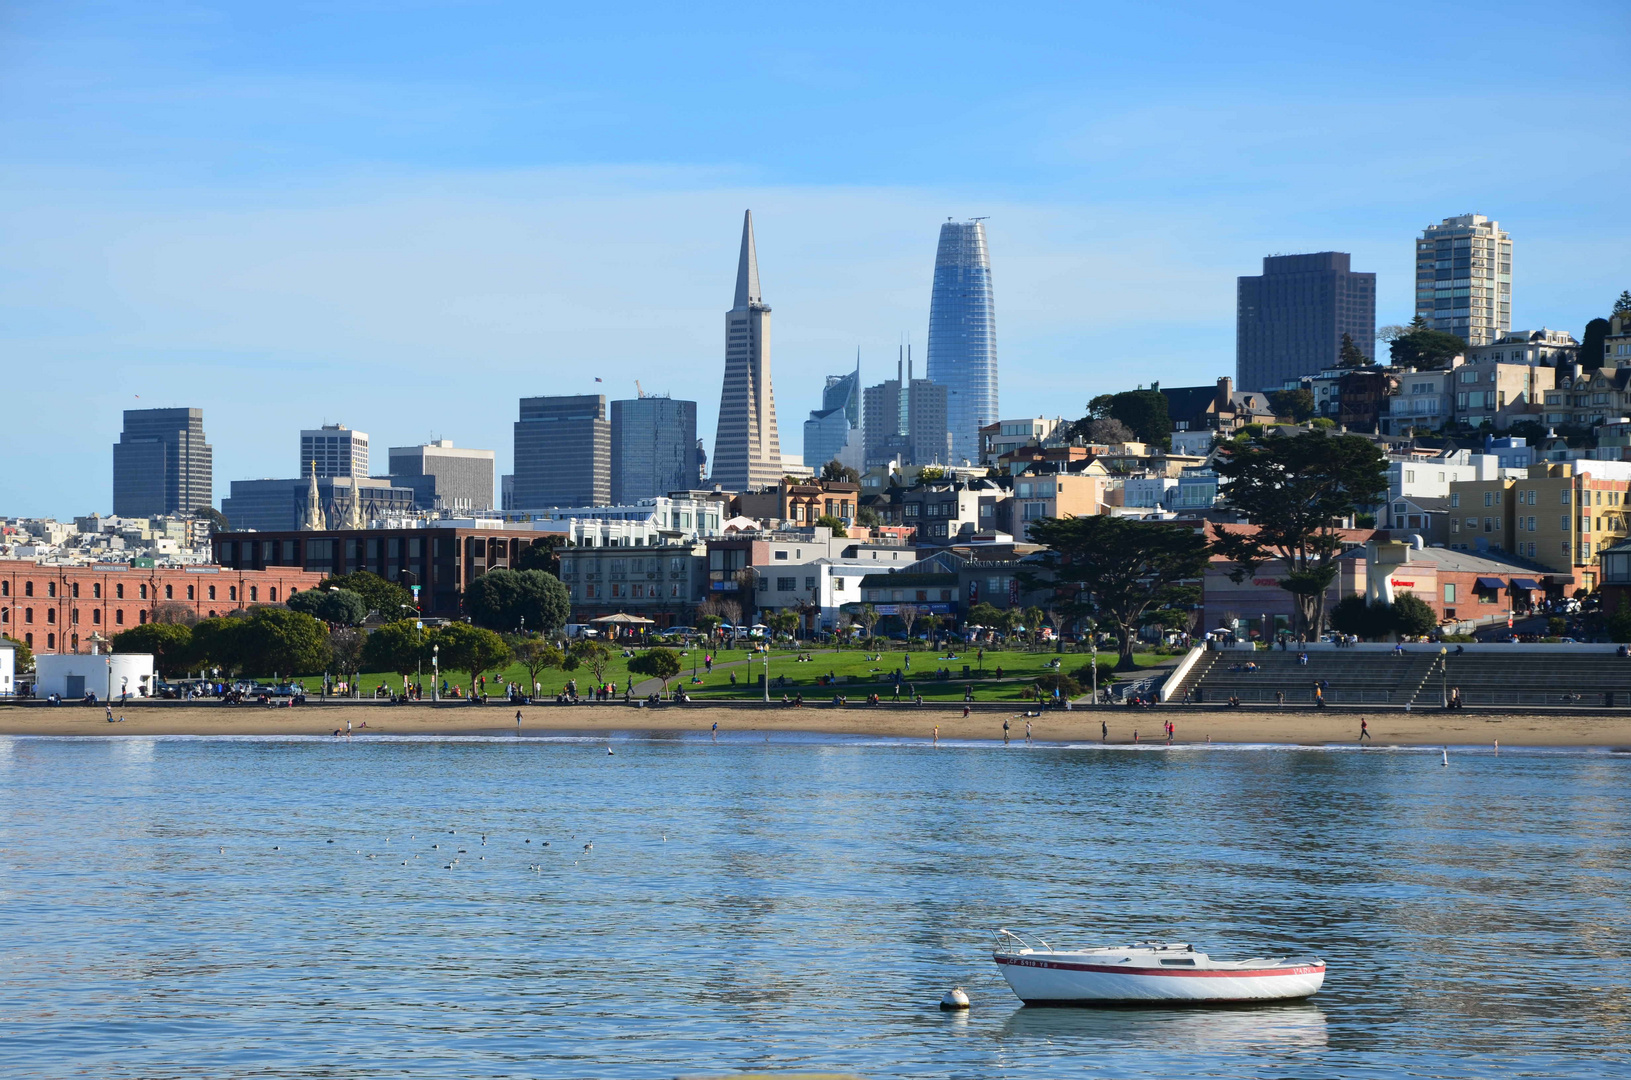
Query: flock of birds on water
pixel 535 867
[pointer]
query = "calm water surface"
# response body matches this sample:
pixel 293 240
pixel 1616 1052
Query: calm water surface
pixel 175 907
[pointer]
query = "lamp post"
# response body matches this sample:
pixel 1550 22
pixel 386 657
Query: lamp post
pixel 767 671
pixel 1444 676
pixel 435 672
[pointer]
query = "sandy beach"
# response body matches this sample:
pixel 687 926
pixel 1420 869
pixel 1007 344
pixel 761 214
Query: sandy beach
pixel 1289 727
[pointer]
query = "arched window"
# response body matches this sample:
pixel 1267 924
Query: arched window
pixel 76 642
pixel 28 639
pixel 96 591
pixel 144 592
pixel 254 592
pixel 5 614
pixel 76 590
pixel 119 616
pixel 5 588
pixel 232 592
pixel 119 591
pixel 50 614
pixel 50 641
pixel 169 592
pixel 96 616
pixel 28 614
pixel 212 593
pixel 271 594
pixel 189 592
pixel 50 588
pixel 141 616
pixel 73 615
pixel 28 588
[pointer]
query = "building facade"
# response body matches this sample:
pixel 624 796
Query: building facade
pixel 654 448
pixel 333 450
pixel 661 583
pixel 747 447
pixel 833 432
pixel 443 476
pixel 1289 321
pixel 1560 516
pixel 162 464
pixel 1464 278
pixel 963 334
pixel 906 420
pixel 441 561
pixel 274 505
pixel 563 452
pixel 53 608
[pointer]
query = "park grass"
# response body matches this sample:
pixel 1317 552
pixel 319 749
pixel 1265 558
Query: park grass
pixel 858 675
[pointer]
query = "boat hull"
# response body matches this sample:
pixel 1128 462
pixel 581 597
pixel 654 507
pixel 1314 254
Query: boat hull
pixel 1042 981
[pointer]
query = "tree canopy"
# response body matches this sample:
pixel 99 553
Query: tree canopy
pixel 1121 569
pixel 511 600
pixel 834 523
pixel 536 655
pixel 659 663
pixel 1109 432
pixel 1350 355
pixel 1296 489
pixel 1423 347
pixel 265 641
pixel 398 646
pixel 461 647
pixel 590 654
pixel 170 643
pixel 1143 412
pixel 341 607
pixel 385 597
pixel 25 656
pixel 542 554
pixel 837 470
pixel 1295 405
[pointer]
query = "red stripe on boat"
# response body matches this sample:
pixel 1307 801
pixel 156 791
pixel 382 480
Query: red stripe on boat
pixel 1188 973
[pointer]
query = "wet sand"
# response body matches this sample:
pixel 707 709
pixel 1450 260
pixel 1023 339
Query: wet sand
pixel 1288 727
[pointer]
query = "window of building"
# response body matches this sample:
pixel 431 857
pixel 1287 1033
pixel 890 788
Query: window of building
pixel 764 584
pixel 838 584
pixel 143 590
pixel 1455 525
pixel 1449 594
pixel 5 588
pixel 169 592
pixel 119 591
pixel 786 584
pixel 28 615
pixel 190 592
pixel 809 583
pixel 781 556
pixel 119 616
pixel 50 615
pixel 50 588
pixel 96 591
pixel 50 641
pixel 96 616
pixel 212 592
pixel 254 592
pixel 232 592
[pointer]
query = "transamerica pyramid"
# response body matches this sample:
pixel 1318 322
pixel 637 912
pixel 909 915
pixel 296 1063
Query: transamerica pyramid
pixel 747 449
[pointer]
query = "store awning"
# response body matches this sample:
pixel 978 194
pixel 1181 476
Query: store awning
pixel 1525 583
pixel 1491 583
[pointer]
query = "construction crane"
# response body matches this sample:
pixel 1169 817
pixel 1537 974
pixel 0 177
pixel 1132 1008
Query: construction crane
pixel 638 392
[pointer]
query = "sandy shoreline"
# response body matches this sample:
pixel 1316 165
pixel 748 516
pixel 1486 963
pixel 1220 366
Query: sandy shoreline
pixel 1290 727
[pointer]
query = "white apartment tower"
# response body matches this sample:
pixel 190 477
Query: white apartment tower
pixel 333 450
pixel 1464 278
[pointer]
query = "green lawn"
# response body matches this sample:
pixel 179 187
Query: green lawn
pixel 857 675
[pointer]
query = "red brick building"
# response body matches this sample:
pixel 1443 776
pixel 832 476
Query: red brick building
pixel 55 609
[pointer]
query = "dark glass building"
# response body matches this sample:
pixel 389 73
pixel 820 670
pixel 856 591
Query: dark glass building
pixel 161 463
pixel 563 452
pixel 963 334
pixel 654 448
pixel 1289 321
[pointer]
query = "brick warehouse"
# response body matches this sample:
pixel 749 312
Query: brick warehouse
pixel 442 561
pixel 55 609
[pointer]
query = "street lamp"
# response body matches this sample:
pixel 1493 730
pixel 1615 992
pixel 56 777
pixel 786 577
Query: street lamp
pixel 435 671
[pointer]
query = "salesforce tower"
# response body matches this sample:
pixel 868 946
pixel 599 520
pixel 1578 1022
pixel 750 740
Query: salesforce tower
pixel 963 334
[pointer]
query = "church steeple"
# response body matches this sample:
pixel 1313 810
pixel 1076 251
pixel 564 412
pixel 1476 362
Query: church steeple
pixel 312 519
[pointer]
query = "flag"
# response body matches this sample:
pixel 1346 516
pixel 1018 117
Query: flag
pixel 597 380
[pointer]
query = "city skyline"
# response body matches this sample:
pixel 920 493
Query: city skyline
pixel 191 219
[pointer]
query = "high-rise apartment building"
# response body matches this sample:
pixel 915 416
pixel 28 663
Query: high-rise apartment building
pixel 833 432
pixel 963 334
pixel 333 450
pixel 161 463
pixel 1464 278
pixel 747 448
pixel 443 476
pixel 654 447
pixel 1290 320
pixel 905 418
pixel 563 452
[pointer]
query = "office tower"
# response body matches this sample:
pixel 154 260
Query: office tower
pixel 1464 278
pixel 335 450
pixel 963 334
pixel 161 463
pixel 1290 320
pixel 747 449
pixel 563 452
pixel 443 476
pixel 833 432
pixel 905 418
pixel 654 447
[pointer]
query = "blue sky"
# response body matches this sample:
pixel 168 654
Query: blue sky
pixel 403 216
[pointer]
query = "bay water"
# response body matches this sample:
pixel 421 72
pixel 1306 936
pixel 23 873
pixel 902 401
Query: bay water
pixel 236 907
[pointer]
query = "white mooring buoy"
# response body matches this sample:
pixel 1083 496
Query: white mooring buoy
pixel 1446 755
pixel 955 999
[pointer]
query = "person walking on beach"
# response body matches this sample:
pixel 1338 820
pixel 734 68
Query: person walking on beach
pixel 518 721
pixel 965 712
pixel 1104 731
pixel 1005 732
pixel 716 731
pixel 937 731
pixel 1027 733
pixel 1364 730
